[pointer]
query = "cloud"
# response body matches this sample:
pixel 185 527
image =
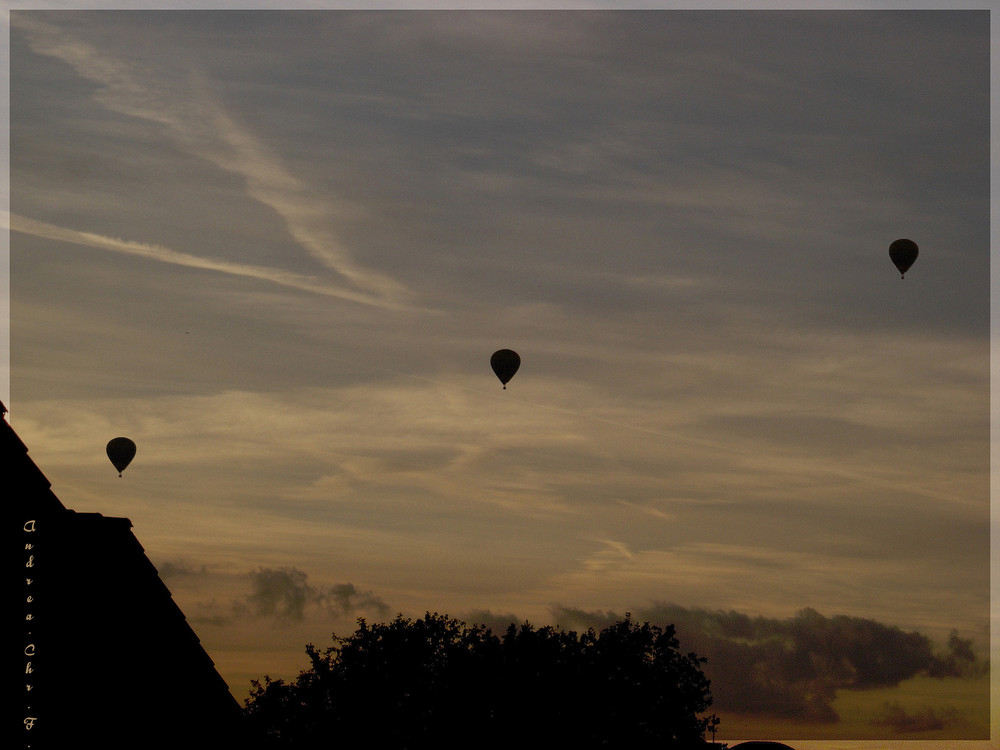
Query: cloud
pixel 794 667
pixel 282 592
pixel 198 124
pixel 407 470
pixel 345 598
pixel 161 254
pixel 285 593
pixel 923 719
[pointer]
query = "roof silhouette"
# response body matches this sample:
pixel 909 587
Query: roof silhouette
pixel 108 656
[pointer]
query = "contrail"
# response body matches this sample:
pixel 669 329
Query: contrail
pixel 200 126
pixel 162 254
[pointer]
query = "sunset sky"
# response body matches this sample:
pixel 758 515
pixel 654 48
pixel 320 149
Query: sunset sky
pixel 277 249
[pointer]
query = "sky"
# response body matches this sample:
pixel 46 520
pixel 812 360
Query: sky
pixel 277 249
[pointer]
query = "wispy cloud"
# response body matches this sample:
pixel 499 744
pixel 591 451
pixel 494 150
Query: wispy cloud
pixel 198 124
pixel 161 254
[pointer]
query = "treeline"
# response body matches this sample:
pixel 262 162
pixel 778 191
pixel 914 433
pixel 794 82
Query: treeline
pixel 437 682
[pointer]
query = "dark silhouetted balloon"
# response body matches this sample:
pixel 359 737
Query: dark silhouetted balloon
pixel 505 363
pixel 903 253
pixel 121 451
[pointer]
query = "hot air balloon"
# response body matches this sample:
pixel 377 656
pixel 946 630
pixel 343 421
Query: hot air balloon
pixel 505 363
pixel 903 253
pixel 121 451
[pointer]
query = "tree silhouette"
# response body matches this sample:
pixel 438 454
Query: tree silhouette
pixel 438 682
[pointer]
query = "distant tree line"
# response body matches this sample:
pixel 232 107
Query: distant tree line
pixel 437 682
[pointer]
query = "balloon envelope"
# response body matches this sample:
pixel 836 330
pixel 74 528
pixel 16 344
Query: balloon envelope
pixel 505 363
pixel 121 451
pixel 903 253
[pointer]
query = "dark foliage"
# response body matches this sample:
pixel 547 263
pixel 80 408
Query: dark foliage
pixel 435 682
